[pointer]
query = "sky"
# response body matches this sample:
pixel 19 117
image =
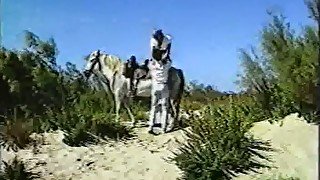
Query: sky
pixel 207 34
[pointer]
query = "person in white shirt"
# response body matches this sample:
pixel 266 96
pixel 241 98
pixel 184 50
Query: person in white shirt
pixel 159 70
pixel 160 46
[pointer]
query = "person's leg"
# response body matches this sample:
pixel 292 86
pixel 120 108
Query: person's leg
pixel 152 110
pixel 170 117
pixel 131 85
pixel 155 111
pixel 164 106
pixel 157 123
pixel 135 87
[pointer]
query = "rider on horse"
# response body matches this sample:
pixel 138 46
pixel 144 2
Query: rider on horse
pixel 130 66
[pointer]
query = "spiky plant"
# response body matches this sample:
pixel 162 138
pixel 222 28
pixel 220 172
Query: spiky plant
pixel 219 145
pixel 16 170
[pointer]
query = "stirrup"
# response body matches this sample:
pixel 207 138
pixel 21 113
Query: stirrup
pixel 132 93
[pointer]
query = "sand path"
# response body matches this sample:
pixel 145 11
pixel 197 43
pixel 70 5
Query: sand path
pixel 142 158
pixel 146 157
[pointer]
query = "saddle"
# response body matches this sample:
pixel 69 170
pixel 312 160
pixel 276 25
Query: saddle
pixel 141 73
pixel 129 69
pixel 136 72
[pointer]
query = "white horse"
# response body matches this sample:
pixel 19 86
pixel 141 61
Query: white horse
pixel 110 69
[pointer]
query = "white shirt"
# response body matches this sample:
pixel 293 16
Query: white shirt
pixel 159 72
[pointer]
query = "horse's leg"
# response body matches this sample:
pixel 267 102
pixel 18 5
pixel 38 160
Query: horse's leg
pixel 117 103
pixel 171 117
pixel 107 87
pixel 179 97
pixel 177 108
pixel 129 110
pixel 172 108
pixel 112 100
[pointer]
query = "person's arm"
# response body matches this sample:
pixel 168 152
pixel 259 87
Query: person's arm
pixel 169 48
pixel 168 40
pixel 167 52
pixel 153 45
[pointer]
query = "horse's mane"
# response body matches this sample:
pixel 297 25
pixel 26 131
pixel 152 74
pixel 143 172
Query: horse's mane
pixel 112 62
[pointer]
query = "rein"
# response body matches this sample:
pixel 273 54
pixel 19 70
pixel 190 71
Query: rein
pixel 94 62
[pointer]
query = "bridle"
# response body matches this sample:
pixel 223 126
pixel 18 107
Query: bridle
pixel 94 61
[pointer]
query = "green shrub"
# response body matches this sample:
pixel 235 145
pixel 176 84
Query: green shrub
pixel 191 105
pixel 219 144
pixel 83 121
pixel 104 126
pixel 16 170
pixel 274 100
pixel 83 129
pixel 79 136
pixel 49 121
pixel 141 115
pixel 140 108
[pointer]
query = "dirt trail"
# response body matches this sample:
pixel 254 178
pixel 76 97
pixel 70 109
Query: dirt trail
pixel 146 156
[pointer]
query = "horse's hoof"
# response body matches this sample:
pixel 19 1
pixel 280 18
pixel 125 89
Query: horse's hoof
pixel 131 124
pixel 171 129
pixel 154 133
pixel 128 124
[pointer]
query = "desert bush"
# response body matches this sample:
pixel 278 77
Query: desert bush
pixel 141 114
pixel 139 107
pixel 274 100
pixel 16 170
pixel 83 123
pixel 199 95
pixel 15 134
pixel 104 126
pixel 49 97
pixel 219 145
pixel 191 105
pixel 79 136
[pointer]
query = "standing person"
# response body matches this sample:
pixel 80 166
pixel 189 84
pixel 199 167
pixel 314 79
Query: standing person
pixel 159 71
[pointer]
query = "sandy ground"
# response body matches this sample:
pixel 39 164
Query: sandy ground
pixel 143 158
pixel 146 157
pixel 296 149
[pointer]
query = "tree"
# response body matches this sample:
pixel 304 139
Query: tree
pixel 287 60
pixel 253 72
pixel 314 9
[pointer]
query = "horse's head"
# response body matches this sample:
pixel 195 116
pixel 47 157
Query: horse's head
pixel 93 63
